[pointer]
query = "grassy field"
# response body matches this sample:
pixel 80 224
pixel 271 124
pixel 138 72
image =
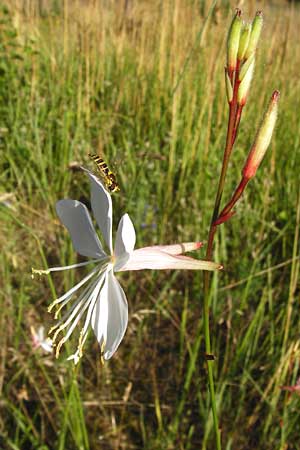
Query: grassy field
pixel 143 83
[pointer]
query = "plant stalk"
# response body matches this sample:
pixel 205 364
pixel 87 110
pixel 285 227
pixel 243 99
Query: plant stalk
pixel 232 129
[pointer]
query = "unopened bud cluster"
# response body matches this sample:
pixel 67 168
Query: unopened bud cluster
pixel 241 47
pixel 242 43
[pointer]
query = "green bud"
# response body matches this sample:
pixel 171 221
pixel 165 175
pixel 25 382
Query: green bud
pixel 255 34
pixel 244 40
pixel 245 67
pixel 233 40
pixel 229 90
pixel 245 84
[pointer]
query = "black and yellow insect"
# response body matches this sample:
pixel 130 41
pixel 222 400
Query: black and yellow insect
pixel 108 176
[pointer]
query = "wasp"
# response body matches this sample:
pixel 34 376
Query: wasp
pixel 108 176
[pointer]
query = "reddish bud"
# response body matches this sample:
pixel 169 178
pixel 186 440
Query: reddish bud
pixel 262 139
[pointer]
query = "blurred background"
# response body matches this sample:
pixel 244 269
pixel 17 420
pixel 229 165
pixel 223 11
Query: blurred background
pixel 142 83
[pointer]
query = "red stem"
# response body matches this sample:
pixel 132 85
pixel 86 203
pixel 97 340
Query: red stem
pixel 225 213
pixel 238 115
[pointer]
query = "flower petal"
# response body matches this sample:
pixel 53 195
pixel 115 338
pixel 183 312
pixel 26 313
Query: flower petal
pixel 150 258
pixel 176 249
pixel 102 208
pixel 125 239
pixel 75 217
pixel 110 316
pixel 100 313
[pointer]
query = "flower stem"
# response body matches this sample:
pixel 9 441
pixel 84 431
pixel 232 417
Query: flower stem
pixel 208 343
pixel 232 129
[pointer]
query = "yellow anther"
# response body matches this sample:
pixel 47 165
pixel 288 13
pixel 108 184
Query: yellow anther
pixel 59 345
pixel 58 311
pixel 50 307
pixel 102 353
pixel 39 272
pixel 80 344
pixel 52 329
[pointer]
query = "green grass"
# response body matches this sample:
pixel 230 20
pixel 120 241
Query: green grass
pixel 145 85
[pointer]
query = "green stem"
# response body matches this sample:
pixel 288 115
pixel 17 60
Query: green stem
pixel 233 123
pixel 208 343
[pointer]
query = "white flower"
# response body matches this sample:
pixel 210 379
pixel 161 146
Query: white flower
pixel 102 300
pixel 39 339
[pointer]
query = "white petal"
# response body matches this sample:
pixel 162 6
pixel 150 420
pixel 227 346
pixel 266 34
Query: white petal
pixel 100 313
pixel 121 261
pixel 150 258
pixel 92 304
pixel 110 315
pixel 176 249
pixel 75 217
pixel 75 357
pixel 102 208
pixel 125 239
pixel 47 345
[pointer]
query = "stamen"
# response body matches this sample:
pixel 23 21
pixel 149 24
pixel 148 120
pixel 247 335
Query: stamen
pixel 61 307
pixel 84 331
pixel 102 352
pixel 39 272
pixel 67 318
pixel 73 289
pixel 59 346
pixel 86 303
pixel 86 291
pixel 81 341
pixel 87 299
pixel 72 266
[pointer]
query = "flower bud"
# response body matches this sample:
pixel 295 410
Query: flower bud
pixel 255 34
pixel 244 40
pixel 245 77
pixel 233 41
pixel 229 90
pixel 245 67
pixel 262 139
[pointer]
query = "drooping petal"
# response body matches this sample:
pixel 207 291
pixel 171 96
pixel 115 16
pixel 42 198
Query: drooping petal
pixel 75 217
pixel 125 241
pixel 149 258
pixel 176 249
pixel 102 208
pixel 110 316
